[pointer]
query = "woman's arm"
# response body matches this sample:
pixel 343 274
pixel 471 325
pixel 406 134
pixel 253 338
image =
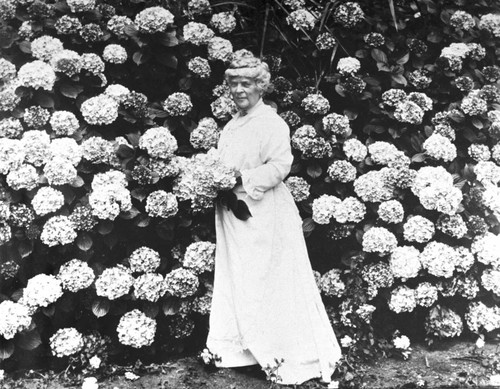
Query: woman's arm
pixel 277 156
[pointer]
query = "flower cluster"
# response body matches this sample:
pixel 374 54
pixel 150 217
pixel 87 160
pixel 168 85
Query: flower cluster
pixel 149 286
pixel 418 229
pixel 442 322
pixel 337 124
pixel 379 240
pixel 58 230
pixel 486 248
pixel 440 147
pixel 199 257
pixel 15 318
pixel 403 299
pixel 405 262
pixel 452 225
pixel 480 315
pixel 114 282
pixel 202 178
pixel 377 275
pixel 136 329
pixel 205 135
pixel 462 20
pixel 97 150
pixel 301 19
pixel 68 62
pixel 349 14
pixel 374 187
pixel 487 172
pixel 439 259
pixel 311 145
pixel 200 66
pixel 350 210
pixel 66 342
pixel 323 208
pixel 99 110
pixel 426 294
pixel 161 204
pixel 178 104
pixel 36 117
pixel 153 19
pixel 158 142
pixel 325 41
pixel 489 280
pixel 331 284
pixel 223 107
pixel 47 200
pixel 348 65
pixel 41 290
pixel 479 152
pixel 391 211
pixel 298 187
pixel 114 54
pixel 197 33
pixel 21 176
pixel 144 259
pixel 491 23
pixel 109 195
pixel 434 187
pixel 342 171
pixel 384 153
pixel 76 275
pixel 181 282
pixel 11 128
pixel 220 49
pixel 224 22
pixel 316 104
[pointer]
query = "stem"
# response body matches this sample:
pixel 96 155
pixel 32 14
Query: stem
pixel 264 30
pixel 232 3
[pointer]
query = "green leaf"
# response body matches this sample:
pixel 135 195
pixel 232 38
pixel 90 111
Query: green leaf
pixel 404 59
pixel 71 90
pixel 434 37
pixel 379 56
pixel 168 39
pixel 25 47
pixel 6 349
pixel 150 309
pixel 78 182
pixel 130 214
pixel 314 170
pixel 139 193
pixel 29 340
pixel 477 123
pixel 100 307
pixel 142 221
pixel 84 242
pixel 25 248
pixel 105 227
pixel 400 79
pixel 420 157
pixel 171 306
pixel 44 100
pixel 308 225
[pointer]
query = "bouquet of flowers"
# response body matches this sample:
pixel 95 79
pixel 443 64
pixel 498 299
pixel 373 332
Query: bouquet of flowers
pixel 203 179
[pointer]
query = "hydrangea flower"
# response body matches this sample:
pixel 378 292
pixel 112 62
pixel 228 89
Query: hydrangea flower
pixel 158 142
pixel 144 259
pixel 118 23
pixel 374 187
pixel 298 187
pixel 473 105
pixel 66 342
pixel 316 104
pixel 379 240
pixel 350 210
pixel 403 299
pixel 22 176
pixel 161 204
pixel 331 284
pixel 490 280
pixel 219 49
pixel 393 97
pixel 223 107
pixel 452 225
pixel 342 171
pixel 487 172
pixel 36 75
pixel 325 41
pixel 181 282
pixel 355 150
pixel 426 294
pixel 99 110
pixel 97 150
pixel 409 112
pixel 76 275
pixel 348 14
pixel 45 47
pixel 135 329
pixel 224 22
pixel 405 262
pixel 479 152
pixel 486 248
pixel 391 211
pixel 11 128
pixel 68 62
pixel 490 22
pixel 40 291
pixel 149 286
pixel 47 200
pixel 199 257
pixel 114 53
pixel 337 124
pixel 153 19
pixel 92 63
pixel 348 65
pixel 81 5
pixel 200 66
pixel 67 25
pixel 439 259
pixel 197 33
pixel 377 275
pixel 58 230
pixel 178 104
pixel 7 70
pixel 15 318
pixel 114 282
pixel 462 20
pixel 442 322
pixel 307 140
pixel 301 19
pixel 323 208
pixel 36 117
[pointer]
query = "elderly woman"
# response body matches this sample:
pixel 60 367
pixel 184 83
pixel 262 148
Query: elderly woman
pixel 266 304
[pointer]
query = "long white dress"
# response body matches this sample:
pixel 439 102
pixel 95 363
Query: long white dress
pixel 266 304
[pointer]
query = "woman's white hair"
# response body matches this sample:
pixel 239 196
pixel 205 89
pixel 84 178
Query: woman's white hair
pixel 245 64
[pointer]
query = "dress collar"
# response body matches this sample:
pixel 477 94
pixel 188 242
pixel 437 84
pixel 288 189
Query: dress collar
pixel 251 112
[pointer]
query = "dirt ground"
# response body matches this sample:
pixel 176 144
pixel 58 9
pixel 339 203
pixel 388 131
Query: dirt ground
pixel 442 367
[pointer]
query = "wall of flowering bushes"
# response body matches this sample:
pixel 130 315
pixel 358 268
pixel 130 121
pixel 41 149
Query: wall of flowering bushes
pixel 110 111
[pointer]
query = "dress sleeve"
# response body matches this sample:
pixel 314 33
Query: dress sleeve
pixel 277 160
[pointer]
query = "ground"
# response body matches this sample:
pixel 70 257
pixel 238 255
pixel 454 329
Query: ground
pixel 447 365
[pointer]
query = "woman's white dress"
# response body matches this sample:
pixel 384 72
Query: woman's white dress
pixel 266 304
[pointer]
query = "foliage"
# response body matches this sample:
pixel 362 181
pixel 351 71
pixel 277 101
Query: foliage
pixel 394 112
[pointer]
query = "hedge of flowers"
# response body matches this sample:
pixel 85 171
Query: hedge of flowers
pixel 110 113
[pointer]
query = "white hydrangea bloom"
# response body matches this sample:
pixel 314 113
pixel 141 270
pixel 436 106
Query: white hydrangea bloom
pixel 405 262
pixel 36 75
pixel 66 342
pixel 149 286
pixel 440 147
pixel 379 240
pixel 15 318
pixel 418 229
pixel 41 290
pixel 199 257
pixel 439 259
pixel 153 19
pixel 76 275
pixel 114 282
pixel 58 230
pixel 323 208
pixel 47 200
pixel 348 65
pixel 403 299
pixel 158 142
pixel 136 329
pixel 144 259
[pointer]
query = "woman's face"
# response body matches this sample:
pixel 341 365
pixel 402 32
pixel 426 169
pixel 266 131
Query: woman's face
pixel 244 91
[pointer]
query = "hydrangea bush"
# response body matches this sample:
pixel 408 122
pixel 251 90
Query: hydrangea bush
pixel 109 115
